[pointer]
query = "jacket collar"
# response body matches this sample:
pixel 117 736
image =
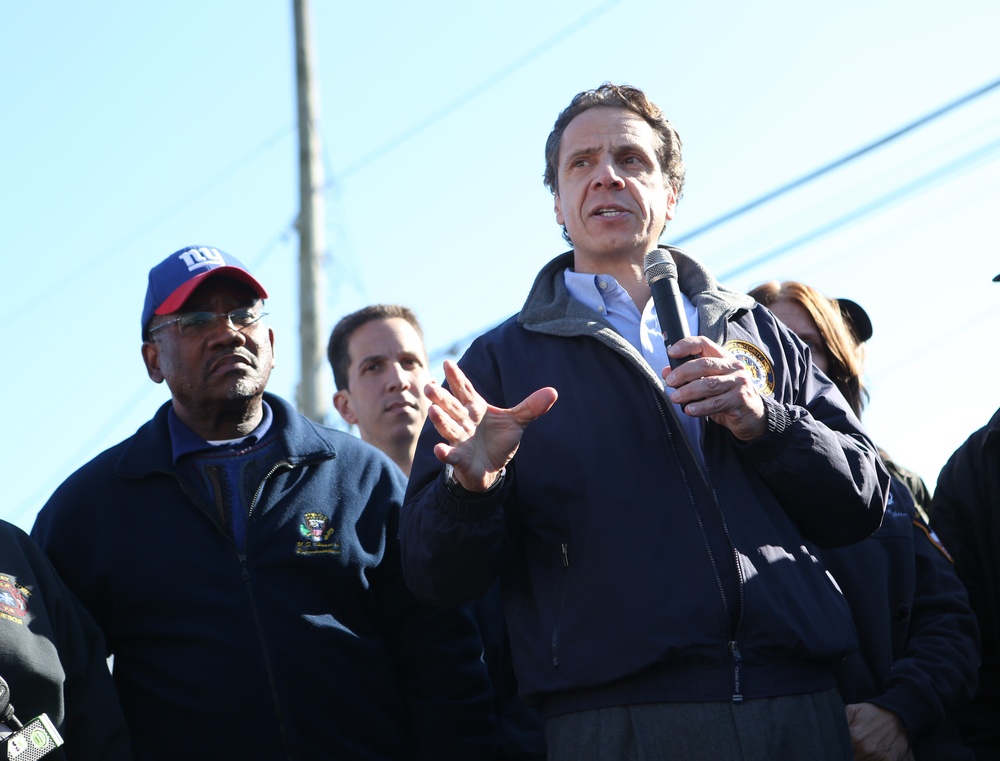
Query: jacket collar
pixel 149 449
pixel 550 309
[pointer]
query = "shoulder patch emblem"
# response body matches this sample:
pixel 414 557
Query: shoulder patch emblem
pixel 933 539
pixel 316 536
pixel 13 600
pixel 756 362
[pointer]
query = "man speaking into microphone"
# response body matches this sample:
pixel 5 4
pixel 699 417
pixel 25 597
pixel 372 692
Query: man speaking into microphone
pixel 646 522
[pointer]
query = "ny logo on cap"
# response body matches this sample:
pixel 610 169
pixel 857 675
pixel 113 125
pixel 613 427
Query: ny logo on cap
pixel 202 258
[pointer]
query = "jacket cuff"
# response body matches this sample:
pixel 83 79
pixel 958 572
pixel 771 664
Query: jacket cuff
pixel 911 705
pixel 774 438
pixel 460 504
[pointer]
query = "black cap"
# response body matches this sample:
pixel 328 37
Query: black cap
pixel 857 319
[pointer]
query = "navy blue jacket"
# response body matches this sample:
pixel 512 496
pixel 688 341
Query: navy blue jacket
pixel 307 645
pixel 520 727
pixel 629 573
pixel 918 654
pixel 966 515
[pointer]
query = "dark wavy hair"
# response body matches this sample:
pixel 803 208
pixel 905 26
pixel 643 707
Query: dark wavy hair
pixel 633 99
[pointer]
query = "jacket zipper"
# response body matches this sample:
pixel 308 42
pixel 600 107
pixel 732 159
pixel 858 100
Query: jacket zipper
pixel 734 653
pixel 256 617
pixel 245 572
pixel 256 497
pixel 564 549
pixel 245 577
pixel 737 672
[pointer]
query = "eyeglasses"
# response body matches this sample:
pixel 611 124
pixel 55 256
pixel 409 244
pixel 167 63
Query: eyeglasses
pixel 197 323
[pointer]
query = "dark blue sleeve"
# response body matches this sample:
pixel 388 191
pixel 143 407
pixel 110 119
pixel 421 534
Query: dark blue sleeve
pixel 453 548
pixel 439 661
pixel 964 505
pixel 816 457
pixel 937 669
pixel 520 727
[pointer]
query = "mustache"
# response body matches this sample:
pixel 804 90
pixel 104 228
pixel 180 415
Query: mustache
pixel 227 354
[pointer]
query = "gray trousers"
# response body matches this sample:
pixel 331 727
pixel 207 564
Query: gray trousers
pixel 810 727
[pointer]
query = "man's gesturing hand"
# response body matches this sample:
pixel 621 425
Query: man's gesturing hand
pixel 481 438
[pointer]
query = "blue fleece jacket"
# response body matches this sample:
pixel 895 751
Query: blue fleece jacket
pixel 305 644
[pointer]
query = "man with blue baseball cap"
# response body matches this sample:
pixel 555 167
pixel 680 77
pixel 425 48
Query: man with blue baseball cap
pixel 243 563
pixel 174 279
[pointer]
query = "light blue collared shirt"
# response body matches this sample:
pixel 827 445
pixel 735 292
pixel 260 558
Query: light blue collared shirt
pixel 604 295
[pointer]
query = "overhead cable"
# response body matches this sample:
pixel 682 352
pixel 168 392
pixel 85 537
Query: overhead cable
pixel 853 156
pixel 475 91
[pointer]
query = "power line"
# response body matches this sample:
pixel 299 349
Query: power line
pixel 853 156
pixel 476 90
pixel 44 490
pixel 127 407
pixel 909 354
pixel 921 184
pixel 73 277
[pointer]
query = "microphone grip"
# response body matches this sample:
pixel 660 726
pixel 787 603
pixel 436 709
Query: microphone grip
pixel 670 314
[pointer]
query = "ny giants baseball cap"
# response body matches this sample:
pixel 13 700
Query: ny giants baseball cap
pixel 175 278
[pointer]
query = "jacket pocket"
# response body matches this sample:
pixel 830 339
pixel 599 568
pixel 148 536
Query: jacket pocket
pixel 560 601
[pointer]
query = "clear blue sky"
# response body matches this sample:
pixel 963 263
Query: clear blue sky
pixel 133 129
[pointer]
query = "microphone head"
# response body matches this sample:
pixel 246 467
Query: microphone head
pixel 658 264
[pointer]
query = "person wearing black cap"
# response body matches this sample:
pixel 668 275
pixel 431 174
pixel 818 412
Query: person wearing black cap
pixel 918 643
pixel 967 518
pixel 860 325
pixel 840 335
pixel 243 564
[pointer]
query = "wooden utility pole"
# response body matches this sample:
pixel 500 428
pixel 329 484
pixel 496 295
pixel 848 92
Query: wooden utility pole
pixel 310 398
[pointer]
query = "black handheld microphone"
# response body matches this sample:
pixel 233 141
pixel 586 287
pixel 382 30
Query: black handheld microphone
pixel 660 272
pixel 27 742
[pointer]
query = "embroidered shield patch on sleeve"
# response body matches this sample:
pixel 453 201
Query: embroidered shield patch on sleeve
pixel 757 364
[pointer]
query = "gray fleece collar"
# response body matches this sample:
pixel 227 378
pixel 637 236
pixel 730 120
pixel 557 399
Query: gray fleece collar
pixel 550 309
